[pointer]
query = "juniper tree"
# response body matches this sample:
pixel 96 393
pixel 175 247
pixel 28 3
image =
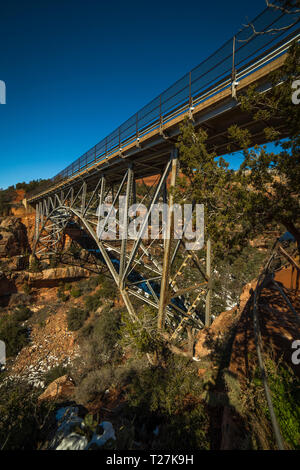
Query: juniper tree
pixel 273 177
pixel 265 191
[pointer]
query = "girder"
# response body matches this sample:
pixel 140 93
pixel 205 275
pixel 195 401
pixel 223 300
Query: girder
pixel 137 265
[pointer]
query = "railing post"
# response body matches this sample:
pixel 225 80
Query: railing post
pixel 233 72
pixel 37 221
pixel 83 198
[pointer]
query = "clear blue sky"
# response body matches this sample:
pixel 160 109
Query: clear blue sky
pixel 75 69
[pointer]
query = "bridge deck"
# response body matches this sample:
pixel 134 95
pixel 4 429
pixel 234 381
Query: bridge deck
pixel 216 114
pixel 207 95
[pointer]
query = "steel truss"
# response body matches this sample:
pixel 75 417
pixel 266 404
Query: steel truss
pixel 157 272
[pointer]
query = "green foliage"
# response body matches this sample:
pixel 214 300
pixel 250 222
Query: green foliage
pixel 141 336
pixel 76 318
pixel 92 302
pixel 61 295
pixel 54 374
pixel 100 347
pixel 7 196
pixel 75 292
pixel 285 387
pixel 170 397
pixel 22 418
pixel 107 331
pixel 33 185
pixel 239 205
pixel 108 289
pixel 207 180
pixel 14 335
pixel 94 384
pixel 274 177
pixel 88 285
pixel 231 274
pixel 22 313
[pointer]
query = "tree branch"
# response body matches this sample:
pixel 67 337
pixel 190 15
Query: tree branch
pixel 272 30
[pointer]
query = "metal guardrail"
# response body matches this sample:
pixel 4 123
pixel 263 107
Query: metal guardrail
pixel 237 58
pixel 258 336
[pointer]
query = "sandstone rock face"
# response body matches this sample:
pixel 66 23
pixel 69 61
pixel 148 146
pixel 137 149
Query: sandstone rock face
pixel 246 293
pixel 207 337
pixel 62 387
pixel 57 274
pixel 13 237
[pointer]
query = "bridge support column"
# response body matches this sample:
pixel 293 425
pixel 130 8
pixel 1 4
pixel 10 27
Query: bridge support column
pixel 164 288
pixel 37 221
pixel 130 177
pixel 83 197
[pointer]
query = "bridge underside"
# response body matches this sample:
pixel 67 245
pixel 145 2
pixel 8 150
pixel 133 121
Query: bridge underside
pixel 149 151
pixel 148 269
pixel 173 282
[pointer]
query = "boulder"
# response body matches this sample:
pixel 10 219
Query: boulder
pixel 53 276
pixel 205 344
pixel 13 237
pixel 62 387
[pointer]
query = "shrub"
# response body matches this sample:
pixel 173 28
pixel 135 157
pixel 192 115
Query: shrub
pixel 285 387
pixel 94 281
pixel 94 384
pixel 43 314
pixel 108 289
pixel 14 336
pixel 75 292
pixel 141 336
pixel 92 302
pixel 76 318
pixel 62 295
pixel 169 397
pixel 22 313
pixel 107 331
pixel 22 418
pixel 54 374
pixel 99 344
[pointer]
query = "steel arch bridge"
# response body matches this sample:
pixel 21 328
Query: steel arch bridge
pixel 158 272
pixel 161 273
